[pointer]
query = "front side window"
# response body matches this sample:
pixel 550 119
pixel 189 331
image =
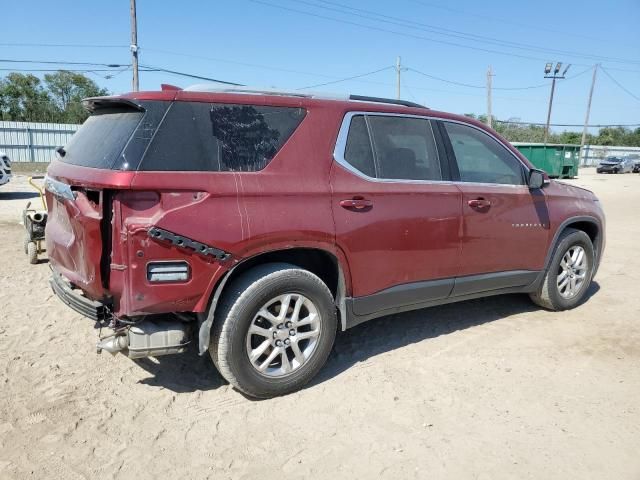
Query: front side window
pixel 392 148
pixel 481 159
pixel 220 137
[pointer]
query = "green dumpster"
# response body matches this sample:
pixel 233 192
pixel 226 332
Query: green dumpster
pixel 559 161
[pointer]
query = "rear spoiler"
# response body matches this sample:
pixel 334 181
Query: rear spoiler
pixel 95 103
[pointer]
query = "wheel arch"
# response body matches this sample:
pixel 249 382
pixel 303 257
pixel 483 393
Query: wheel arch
pixel 329 266
pixel 589 225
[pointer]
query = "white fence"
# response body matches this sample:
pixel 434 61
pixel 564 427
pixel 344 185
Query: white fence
pixel 592 154
pixel 33 142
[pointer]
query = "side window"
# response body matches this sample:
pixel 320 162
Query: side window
pixel 358 151
pixel 404 148
pixel 482 159
pixel 220 137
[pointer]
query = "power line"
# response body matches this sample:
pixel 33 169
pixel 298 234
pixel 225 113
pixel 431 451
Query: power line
pixel 347 78
pixel 404 34
pixel 453 82
pixel 65 45
pixel 54 70
pixel 53 62
pixel 150 68
pixel 502 20
pixel 370 15
pixel 542 124
pixel 619 84
pixel 234 62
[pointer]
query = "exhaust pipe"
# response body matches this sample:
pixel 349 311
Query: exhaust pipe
pixel 148 339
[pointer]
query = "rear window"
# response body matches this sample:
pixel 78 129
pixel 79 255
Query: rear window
pixel 182 136
pixel 102 137
pixel 220 137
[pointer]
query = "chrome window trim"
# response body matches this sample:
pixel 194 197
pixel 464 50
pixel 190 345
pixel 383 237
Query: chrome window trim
pixel 341 145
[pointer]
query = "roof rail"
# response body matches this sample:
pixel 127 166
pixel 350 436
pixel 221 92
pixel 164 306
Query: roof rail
pixel 362 98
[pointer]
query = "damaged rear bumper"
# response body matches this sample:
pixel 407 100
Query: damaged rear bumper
pixel 74 298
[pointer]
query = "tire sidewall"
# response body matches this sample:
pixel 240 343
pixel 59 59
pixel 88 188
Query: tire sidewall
pixel 577 238
pixel 241 315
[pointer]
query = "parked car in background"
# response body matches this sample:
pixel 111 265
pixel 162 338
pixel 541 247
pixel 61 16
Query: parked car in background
pixel 5 168
pixel 616 165
pixel 259 224
pixel 635 158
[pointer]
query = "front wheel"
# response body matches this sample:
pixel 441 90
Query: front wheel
pixel 275 328
pixel 569 274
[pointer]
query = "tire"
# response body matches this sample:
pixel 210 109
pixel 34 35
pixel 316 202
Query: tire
pixel 549 294
pixel 32 252
pixel 238 311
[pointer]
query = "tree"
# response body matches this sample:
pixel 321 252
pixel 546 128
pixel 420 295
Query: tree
pixel 67 89
pixel 23 98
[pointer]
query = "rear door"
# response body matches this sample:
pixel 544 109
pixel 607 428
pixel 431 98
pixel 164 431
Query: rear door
pixel 396 217
pixel 505 224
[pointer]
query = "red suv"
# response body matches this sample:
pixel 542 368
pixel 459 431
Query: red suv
pixel 257 224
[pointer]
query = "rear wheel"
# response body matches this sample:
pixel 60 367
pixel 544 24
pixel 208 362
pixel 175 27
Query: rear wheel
pixel 569 275
pixel 32 252
pixel 274 330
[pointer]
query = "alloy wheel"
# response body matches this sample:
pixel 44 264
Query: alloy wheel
pixel 283 335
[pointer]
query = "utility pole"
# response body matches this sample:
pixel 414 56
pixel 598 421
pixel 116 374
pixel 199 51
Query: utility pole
pixel 134 45
pixel 489 110
pixel 398 70
pixel 586 118
pixel 554 77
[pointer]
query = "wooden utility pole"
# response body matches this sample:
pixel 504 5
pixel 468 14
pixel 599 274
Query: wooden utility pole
pixel 489 110
pixel 586 118
pixel 398 70
pixel 134 46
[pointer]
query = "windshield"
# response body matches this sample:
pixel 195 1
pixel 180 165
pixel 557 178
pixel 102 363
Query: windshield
pixel 613 160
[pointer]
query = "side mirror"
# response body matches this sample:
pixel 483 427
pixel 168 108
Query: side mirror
pixel 537 179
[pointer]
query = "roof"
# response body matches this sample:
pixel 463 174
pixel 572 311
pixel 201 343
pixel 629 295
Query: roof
pixel 213 88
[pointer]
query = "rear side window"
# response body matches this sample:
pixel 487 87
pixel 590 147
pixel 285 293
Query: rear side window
pixel 392 148
pixel 102 137
pixel 358 152
pixel 220 137
pixel 481 159
pixel 405 148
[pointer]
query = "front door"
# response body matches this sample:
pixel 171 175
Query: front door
pixel 396 220
pixel 505 224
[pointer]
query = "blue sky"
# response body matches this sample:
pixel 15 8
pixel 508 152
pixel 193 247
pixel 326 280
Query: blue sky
pixel 274 43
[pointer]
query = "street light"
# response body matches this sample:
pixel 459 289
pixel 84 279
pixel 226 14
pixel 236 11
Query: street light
pixel 554 77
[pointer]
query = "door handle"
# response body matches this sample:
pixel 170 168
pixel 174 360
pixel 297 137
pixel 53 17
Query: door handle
pixel 479 203
pixel 356 203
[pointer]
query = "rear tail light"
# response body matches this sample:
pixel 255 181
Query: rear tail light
pixel 163 272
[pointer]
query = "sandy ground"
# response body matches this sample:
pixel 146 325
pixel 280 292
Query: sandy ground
pixel 486 389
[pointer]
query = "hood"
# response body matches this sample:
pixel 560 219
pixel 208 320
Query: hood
pixel 571 190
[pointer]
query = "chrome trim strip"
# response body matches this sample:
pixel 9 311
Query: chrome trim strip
pixel 59 189
pixel 341 145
